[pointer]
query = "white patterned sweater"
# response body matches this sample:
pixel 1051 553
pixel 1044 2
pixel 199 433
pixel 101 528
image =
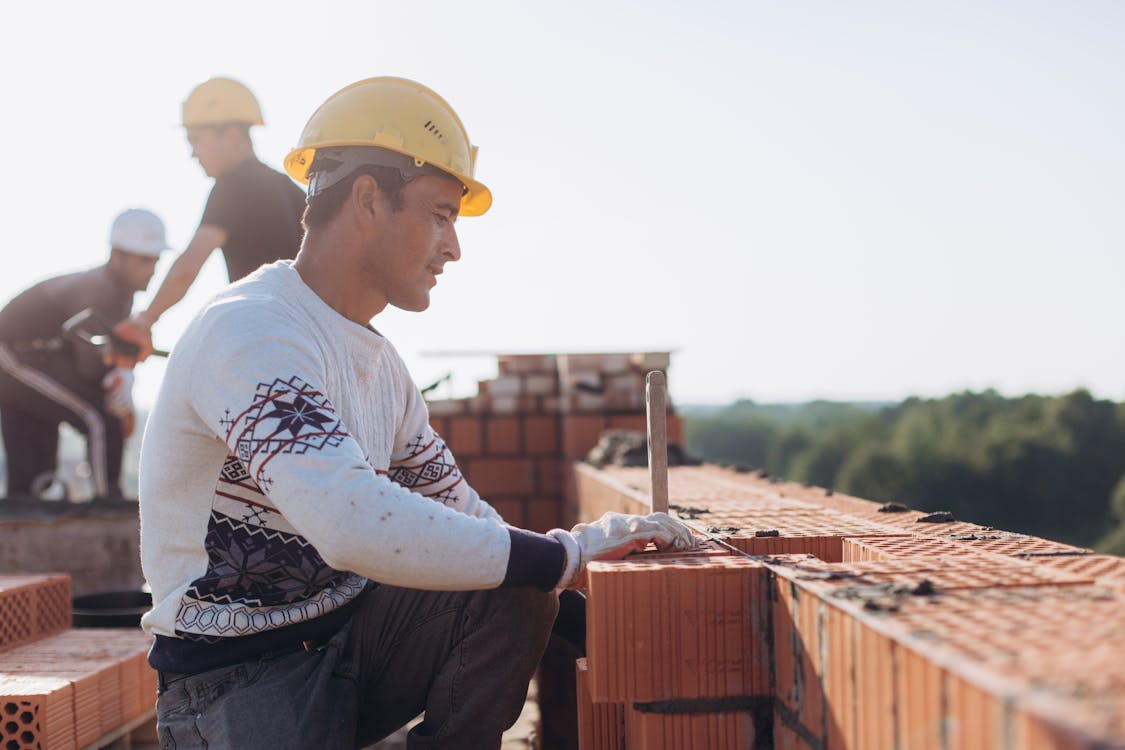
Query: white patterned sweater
pixel 274 470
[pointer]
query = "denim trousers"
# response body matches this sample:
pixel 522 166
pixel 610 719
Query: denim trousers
pixel 464 659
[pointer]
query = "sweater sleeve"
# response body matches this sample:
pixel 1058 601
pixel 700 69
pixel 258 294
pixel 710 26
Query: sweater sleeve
pixel 423 462
pixel 266 400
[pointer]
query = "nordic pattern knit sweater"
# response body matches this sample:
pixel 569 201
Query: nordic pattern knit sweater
pixel 289 462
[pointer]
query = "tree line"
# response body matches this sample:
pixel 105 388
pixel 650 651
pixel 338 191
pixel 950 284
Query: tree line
pixel 1052 466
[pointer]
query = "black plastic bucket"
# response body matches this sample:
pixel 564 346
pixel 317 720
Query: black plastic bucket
pixel 120 608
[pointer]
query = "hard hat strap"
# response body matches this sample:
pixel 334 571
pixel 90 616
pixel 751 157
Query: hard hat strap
pixel 333 164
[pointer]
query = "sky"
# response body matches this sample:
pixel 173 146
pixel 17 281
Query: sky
pixel 859 201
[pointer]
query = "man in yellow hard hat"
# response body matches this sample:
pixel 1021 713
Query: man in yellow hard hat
pixel 51 372
pixel 321 572
pixel 253 212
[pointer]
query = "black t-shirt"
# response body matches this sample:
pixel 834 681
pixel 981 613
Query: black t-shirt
pixel 37 314
pixel 260 210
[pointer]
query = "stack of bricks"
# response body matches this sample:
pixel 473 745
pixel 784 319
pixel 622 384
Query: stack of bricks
pixel 516 438
pixel 817 620
pixel 62 688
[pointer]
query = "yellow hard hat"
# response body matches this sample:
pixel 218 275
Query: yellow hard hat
pixel 221 100
pixel 400 116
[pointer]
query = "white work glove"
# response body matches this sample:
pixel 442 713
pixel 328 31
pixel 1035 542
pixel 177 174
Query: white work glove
pixel 615 535
pixel 118 387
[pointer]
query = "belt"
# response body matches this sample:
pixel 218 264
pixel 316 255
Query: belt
pixel 37 345
pixel 165 679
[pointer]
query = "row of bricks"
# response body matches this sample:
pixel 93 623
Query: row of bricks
pixel 609 363
pixel 642 655
pixel 718 497
pixel 569 437
pixel 1024 724
pixel 70 689
pixel 616 726
pixel 32 606
pixel 577 402
pixel 848 678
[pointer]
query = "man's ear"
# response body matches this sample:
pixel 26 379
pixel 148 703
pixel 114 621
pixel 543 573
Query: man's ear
pixel 366 198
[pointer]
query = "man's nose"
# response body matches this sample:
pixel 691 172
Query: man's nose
pixel 452 245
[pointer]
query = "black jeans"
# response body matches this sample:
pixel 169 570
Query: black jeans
pixel 463 658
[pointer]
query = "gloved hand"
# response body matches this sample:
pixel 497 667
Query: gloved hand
pixel 615 535
pixel 134 330
pixel 118 387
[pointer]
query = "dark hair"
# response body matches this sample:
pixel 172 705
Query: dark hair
pixel 323 207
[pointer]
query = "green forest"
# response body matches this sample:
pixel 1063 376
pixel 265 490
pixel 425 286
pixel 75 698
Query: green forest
pixel 1052 466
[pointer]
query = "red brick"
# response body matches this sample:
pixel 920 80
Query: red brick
pixel 500 476
pixel 690 731
pixel 634 422
pixel 37 711
pixel 919 686
pixel 440 425
pixel 535 384
pixel 464 437
pixel 510 508
pixel 33 606
pixel 581 433
pixel 675 429
pixel 526 363
pixel 447 407
pixel 875 688
pixel 502 436
pixel 541 435
pixel 798 667
pixel 544 514
pixel 601 726
pixel 676 628
pixel 840 685
pixel 550 476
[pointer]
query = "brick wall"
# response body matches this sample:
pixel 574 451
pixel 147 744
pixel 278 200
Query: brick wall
pixel 516 438
pixel 845 625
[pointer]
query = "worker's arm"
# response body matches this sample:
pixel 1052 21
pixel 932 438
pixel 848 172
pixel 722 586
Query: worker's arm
pixel 264 396
pixel 183 272
pixel 137 328
pixel 423 462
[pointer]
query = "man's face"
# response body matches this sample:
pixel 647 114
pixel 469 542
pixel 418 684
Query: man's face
pixel 136 270
pixel 411 246
pixel 209 147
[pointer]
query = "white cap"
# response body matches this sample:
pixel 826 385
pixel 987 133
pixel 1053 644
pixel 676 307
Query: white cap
pixel 138 231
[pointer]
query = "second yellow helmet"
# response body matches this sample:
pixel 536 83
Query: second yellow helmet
pixel 221 100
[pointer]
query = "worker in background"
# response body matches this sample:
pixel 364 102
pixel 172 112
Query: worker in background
pixel 253 212
pixel 50 374
pixel 321 571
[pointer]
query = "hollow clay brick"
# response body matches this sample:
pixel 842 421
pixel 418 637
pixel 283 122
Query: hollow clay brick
pixel 36 711
pixel 689 731
pixel 840 678
pixel 875 694
pixel 798 659
pixel 674 629
pixel 33 606
pixel 866 549
pixel 919 701
pixel 601 726
pixel 976 717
